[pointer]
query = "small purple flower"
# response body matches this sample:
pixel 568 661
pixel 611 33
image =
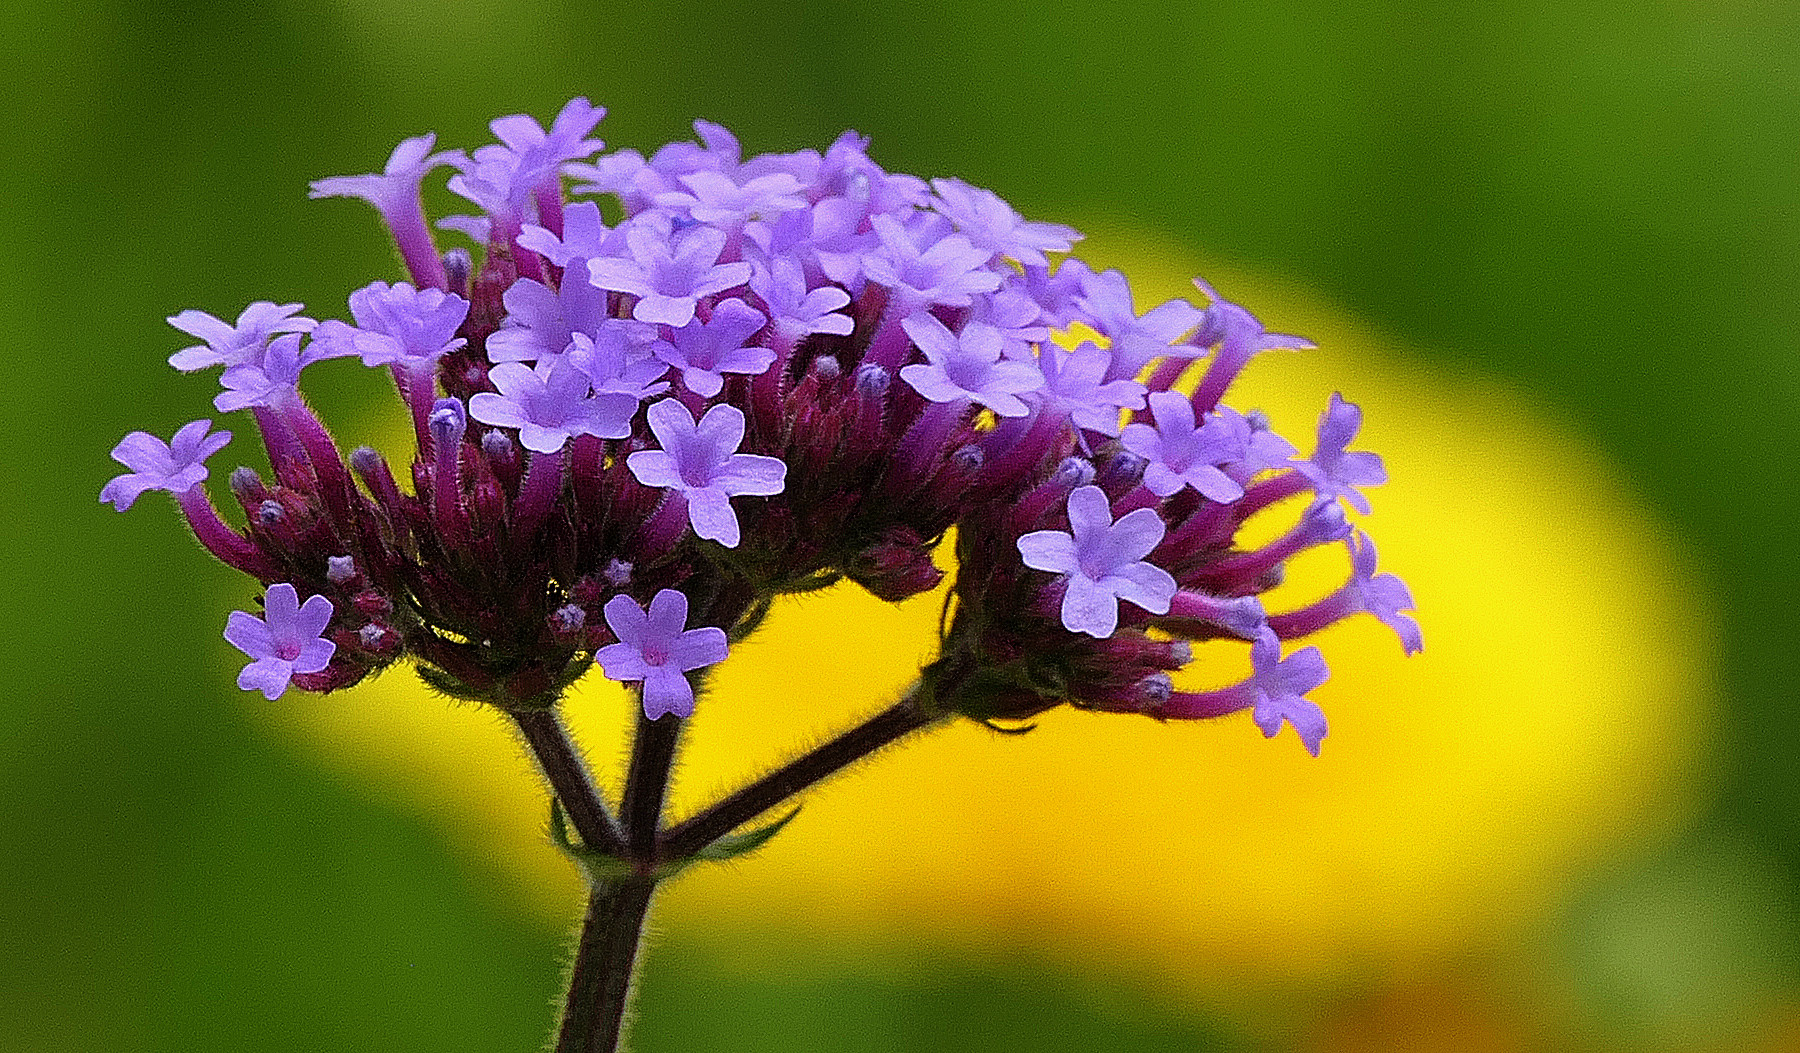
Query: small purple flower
pixel 274 377
pixel 567 140
pixel 1383 595
pixel 1073 387
pixel 716 198
pixel 669 275
pixel 395 194
pixel 700 461
pixel 618 360
pixel 585 236
pixel 796 312
pixel 1136 340
pixel 177 466
pixel 1181 454
pixel 924 266
pixel 550 405
pixel 968 365
pixel 540 323
pixel 990 223
pixel 230 345
pixel 398 324
pixel 705 350
pixel 1335 471
pixel 395 191
pixel 1103 562
pixel 1275 693
pixel 1281 685
pixel 290 640
pixel 656 647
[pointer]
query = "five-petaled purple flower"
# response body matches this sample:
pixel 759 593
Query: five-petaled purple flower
pixel 1103 561
pixel 1336 471
pixel 1275 693
pixel 968 365
pixel 669 274
pixel 551 405
pixel 1181 454
pixel 229 345
pixel 700 461
pixel 656 647
pixel 288 639
pixel 177 466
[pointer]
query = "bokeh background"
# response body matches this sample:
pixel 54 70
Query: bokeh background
pixel 1552 248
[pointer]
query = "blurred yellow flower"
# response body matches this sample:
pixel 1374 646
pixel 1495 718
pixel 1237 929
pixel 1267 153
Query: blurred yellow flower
pixel 1556 718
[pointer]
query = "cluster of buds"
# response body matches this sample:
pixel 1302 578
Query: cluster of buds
pixel 678 387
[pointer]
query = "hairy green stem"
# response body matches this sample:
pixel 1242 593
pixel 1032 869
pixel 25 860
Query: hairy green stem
pixel 562 765
pixel 884 729
pixel 600 980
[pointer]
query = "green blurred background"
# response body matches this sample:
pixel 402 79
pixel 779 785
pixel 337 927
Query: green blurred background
pixel 1596 202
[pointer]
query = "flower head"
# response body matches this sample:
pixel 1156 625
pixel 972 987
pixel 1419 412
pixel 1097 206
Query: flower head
pixel 881 362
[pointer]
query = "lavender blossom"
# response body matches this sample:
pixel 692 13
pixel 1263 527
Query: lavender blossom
pixel 967 365
pixel 700 461
pixel 1102 561
pixel 177 466
pixel 703 351
pixel 1275 693
pixel 1383 595
pixel 1335 471
pixel 274 377
pixel 1180 454
pixel 395 194
pixel 230 345
pixel 669 276
pixel 397 324
pixel 541 323
pixel 551 405
pixel 990 223
pixel 288 639
pixel 656 647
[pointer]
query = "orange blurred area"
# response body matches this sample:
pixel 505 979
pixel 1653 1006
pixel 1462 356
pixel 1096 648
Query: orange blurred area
pixel 1555 722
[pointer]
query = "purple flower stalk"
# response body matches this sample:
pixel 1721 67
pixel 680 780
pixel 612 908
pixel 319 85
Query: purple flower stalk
pixel 656 647
pixel 880 363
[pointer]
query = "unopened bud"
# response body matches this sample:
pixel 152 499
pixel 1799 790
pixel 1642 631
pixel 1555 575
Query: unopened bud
pixel 448 422
pixel 339 569
pixel 872 380
pixel 967 457
pixel 247 485
pixel 366 460
pixel 825 367
pixel 1155 689
pixel 498 447
pixel 271 512
pixel 617 572
pixel 457 265
pixel 568 618
pixel 1074 472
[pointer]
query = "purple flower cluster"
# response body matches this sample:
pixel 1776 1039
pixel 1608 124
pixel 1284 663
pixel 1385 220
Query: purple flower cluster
pixel 769 374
